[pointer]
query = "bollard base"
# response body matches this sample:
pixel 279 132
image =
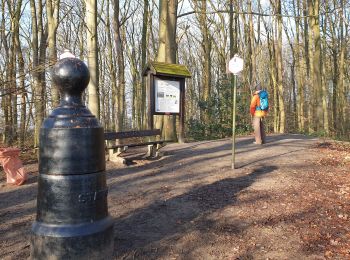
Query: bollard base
pixel 73 241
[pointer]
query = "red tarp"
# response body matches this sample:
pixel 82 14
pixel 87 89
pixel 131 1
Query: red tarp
pixel 12 165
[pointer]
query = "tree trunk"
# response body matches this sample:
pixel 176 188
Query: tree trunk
pixel 92 52
pixel 206 112
pixel 144 47
pixel 120 98
pixel 298 71
pixel 325 92
pixel 316 76
pixel 251 43
pixel 112 70
pixel 10 94
pixel 167 53
pixel 22 128
pixel 52 11
pixel 282 115
pixel 37 35
pixel 233 30
pixel 312 102
pixel 341 83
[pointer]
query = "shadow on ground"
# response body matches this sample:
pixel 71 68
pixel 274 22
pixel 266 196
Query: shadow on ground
pixel 180 215
pixel 194 155
pixel 160 220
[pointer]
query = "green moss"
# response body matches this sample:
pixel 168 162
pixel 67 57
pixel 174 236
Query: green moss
pixel 161 68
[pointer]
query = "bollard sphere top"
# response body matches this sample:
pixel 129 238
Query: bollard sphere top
pixel 71 76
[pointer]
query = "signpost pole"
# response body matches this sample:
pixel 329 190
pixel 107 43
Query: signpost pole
pixel 234 118
pixel 235 66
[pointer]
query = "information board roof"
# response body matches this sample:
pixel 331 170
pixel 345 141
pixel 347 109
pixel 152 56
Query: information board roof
pixel 168 69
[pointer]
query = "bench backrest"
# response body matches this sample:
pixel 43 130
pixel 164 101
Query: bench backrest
pixel 131 134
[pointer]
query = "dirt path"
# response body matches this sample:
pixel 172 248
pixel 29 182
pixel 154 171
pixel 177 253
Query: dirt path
pixel 285 201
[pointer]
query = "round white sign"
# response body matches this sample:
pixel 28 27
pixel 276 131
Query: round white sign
pixel 235 65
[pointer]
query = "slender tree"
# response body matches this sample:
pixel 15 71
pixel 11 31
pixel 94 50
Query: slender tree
pixel 120 98
pixel 144 45
pixel 92 56
pixel 38 45
pixel 112 68
pixel 52 11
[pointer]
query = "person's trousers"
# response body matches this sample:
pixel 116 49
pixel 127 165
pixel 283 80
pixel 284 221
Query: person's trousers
pixel 259 131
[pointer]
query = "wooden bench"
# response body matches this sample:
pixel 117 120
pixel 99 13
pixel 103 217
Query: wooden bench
pixel 153 145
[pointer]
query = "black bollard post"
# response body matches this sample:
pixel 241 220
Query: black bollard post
pixel 72 220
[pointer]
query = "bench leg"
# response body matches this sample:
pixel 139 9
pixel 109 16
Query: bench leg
pixel 110 154
pixel 120 150
pixel 117 159
pixel 151 151
pixel 114 157
pixel 158 152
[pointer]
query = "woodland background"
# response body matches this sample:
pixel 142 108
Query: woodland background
pixel 298 50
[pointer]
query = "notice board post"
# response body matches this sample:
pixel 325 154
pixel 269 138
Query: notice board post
pixel 166 92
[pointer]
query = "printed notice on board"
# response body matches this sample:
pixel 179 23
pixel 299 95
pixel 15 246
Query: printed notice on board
pixel 167 96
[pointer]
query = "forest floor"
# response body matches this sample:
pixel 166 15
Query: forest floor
pixel 287 199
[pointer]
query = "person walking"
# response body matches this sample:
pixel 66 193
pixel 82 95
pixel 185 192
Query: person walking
pixel 258 109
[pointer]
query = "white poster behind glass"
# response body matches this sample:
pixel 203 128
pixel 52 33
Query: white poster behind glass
pixel 167 96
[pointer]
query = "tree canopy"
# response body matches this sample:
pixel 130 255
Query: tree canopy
pixel 297 50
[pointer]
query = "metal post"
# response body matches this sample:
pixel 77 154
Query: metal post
pixel 234 118
pixel 72 220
